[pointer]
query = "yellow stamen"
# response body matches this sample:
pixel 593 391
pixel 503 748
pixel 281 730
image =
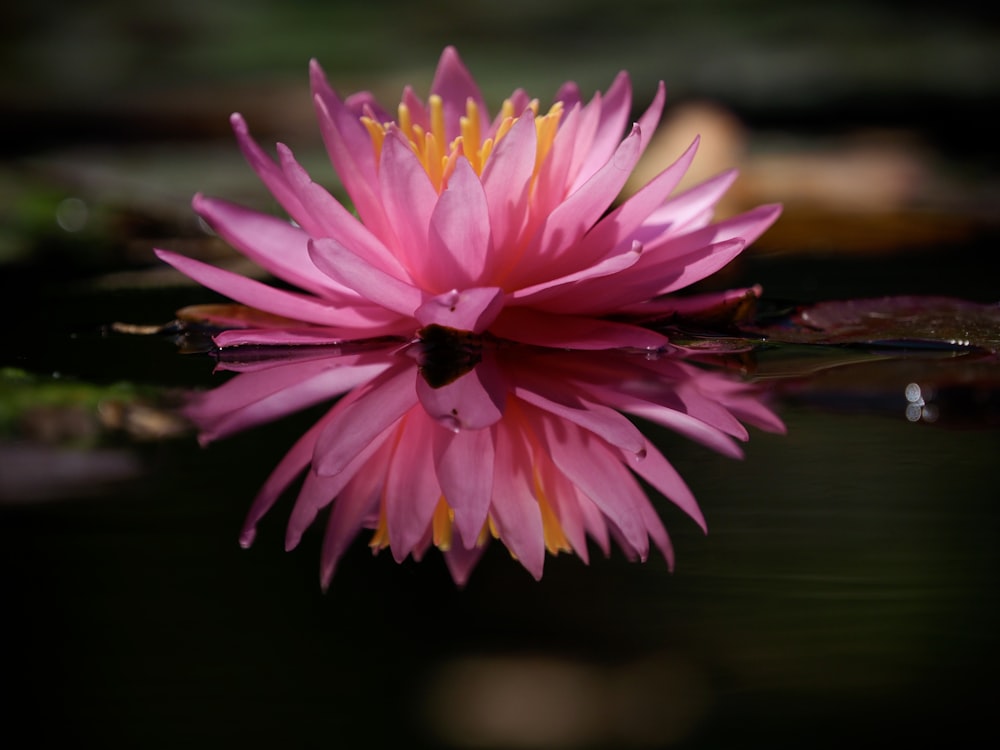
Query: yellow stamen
pixel 437 119
pixel 438 156
pixel 405 121
pixel 441 524
pixel 555 539
pixel 380 538
pixel 377 133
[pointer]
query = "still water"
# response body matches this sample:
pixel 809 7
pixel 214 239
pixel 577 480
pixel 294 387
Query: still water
pixel 846 587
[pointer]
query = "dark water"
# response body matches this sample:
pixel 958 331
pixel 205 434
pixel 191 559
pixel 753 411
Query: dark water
pixel 846 587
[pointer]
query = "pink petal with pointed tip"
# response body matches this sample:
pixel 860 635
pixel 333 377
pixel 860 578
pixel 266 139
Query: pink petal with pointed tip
pixel 560 293
pixel 514 509
pixel 568 94
pixel 575 215
pixel 455 85
pixel 683 208
pixel 459 235
pixel 321 387
pixel 269 173
pixel 465 465
pixel 618 225
pixel 461 561
pixel 319 491
pixel 651 117
pixel 353 157
pixel 293 463
pixel 684 424
pixel 258 295
pixel 270 242
pixel 615 106
pixel 333 220
pixel 346 518
pixel 412 491
pixel 656 470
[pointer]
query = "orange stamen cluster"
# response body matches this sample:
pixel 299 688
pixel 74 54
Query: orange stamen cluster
pixel 438 156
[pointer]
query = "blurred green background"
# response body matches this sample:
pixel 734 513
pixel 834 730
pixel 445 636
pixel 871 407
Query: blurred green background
pixel 847 589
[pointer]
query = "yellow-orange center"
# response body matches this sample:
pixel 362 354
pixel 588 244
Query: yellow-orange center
pixel 438 156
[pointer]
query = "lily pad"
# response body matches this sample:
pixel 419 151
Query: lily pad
pixel 892 322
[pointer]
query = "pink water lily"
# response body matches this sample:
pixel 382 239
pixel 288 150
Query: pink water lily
pixel 503 223
pixel 527 445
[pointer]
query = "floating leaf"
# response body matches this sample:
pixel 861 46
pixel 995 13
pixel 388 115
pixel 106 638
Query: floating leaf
pixel 903 322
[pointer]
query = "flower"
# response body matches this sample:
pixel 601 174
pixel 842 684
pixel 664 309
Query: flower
pixel 555 461
pixel 473 222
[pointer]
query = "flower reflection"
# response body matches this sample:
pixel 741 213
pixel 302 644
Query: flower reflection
pixel 502 224
pixel 456 438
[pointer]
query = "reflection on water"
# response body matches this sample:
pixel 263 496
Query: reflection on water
pixel 456 438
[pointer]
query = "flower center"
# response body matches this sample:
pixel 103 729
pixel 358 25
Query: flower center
pixel 429 141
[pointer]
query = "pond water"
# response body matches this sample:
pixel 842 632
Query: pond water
pixel 846 586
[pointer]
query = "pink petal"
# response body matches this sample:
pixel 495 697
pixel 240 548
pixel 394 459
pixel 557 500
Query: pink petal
pixel 409 199
pixel 598 473
pixel 461 560
pixel 343 266
pixel 378 404
pixel 346 518
pixel 293 463
pixel 568 94
pixel 514 510
pixel 656 470
pixel 258 397
pixel 615 107
pixel 562 289
pixel 464 404
pixel 412 491
pixel 270 174
pixel 575 215
pixel 316 335
pixel 455 85
pixel 465 466
pixel 333 220
pixel 688 426
pixel 651 117
pixel 469 310
pixel 459 236
pixel 552 183
pixel 552 397
pixel 692 203
pixel 351 151
pixel 616 227
pixel 258 295
pixel 270 242
pixel 319 491
pixel 562 495
pixel 506 179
